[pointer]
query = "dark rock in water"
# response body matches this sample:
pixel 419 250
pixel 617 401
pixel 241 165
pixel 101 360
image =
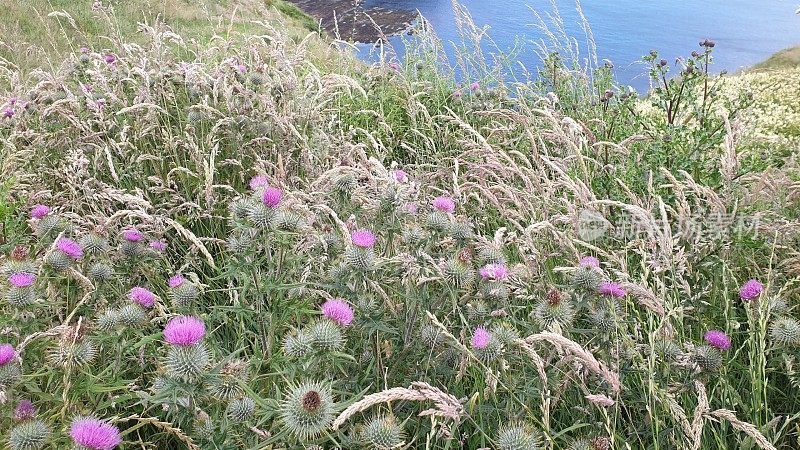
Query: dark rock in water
pixel 351 20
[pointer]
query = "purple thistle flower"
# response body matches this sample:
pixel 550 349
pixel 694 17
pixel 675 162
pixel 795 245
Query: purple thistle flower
pixel 410 207
pixel 9 113
pixel 110 58
pixel 400 176
pixel 394 66
pixel 363 238
pixel 611 289
pixel 94 434
pixel 718 339
pixel 480 338
pixel 590 261
pixel 444 204
pixel 7 353
pixel 39 211
pixel 241 68
pixel 339 311
pixel 84 50
pixel 132 235
pixel 158 246
pixel 494 272
pixel 184 330
pixel 272 196
pixel 457 94
pixel 258 181
pixel 70 248
pixel 24 411
pixel 142 296
pixel 22 279
pixel 474 86
pixel 176 281
pixel 751 290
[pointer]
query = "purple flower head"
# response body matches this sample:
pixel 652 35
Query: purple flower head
pixel 339 311
pixel 158 246
pixel 22 279
pixel 142 296
pixel 272 196
pixel 132 235
pixel 70 248
pixel 85 50
pixel 39 211
pixel 86 88
pixel 363 238
pixel 494 272
pixel 184 330
pixel 7 353
pixel 718 339
pixel 24 411
pixel 457 94
pixel 241 68
pixel 751 290
pixel 9 113
pixel 474 86
pixel 410 207
pixel 176 281
pixel 611 289
pixel 444 204
pixel 110 58
pixel 394 66
pixel 258 181
pixel 12 101
pixel 480 338
pixel 94 434
pixel 590 261
pixel 400 176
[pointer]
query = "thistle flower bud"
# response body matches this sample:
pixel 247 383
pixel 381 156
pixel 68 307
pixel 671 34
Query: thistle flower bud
pixel 29 435
pixel 785 331
pixel 132 315
pixel 240 410
pixel 548 311
pixel 94 244
pixel 518 437
pixel 108 320
pixel 298 345
pixel 307 410
pixel 458 274
pixel 182 291
pixel 101 271
pixel 708 358
pixel 326 335
pixel 382 433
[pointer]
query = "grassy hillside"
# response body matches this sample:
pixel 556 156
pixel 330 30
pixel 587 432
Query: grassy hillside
pixel 253 242
pixel 785 59
pixel 35 33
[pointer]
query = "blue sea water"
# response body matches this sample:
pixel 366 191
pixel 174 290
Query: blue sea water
pixel 746 31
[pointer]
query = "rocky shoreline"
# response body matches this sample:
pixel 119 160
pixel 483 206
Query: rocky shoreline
pixel 353 20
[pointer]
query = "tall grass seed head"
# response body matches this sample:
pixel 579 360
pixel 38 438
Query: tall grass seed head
pixel 338 311
pixel 307 410
pixel 94 434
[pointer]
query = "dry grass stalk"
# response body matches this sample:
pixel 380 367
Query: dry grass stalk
pixel 744 427
pixel 165 426
pixel 446 405
pixel 696 431
pixel 572 347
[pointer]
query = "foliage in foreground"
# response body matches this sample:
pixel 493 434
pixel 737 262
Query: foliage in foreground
pixel 220 253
